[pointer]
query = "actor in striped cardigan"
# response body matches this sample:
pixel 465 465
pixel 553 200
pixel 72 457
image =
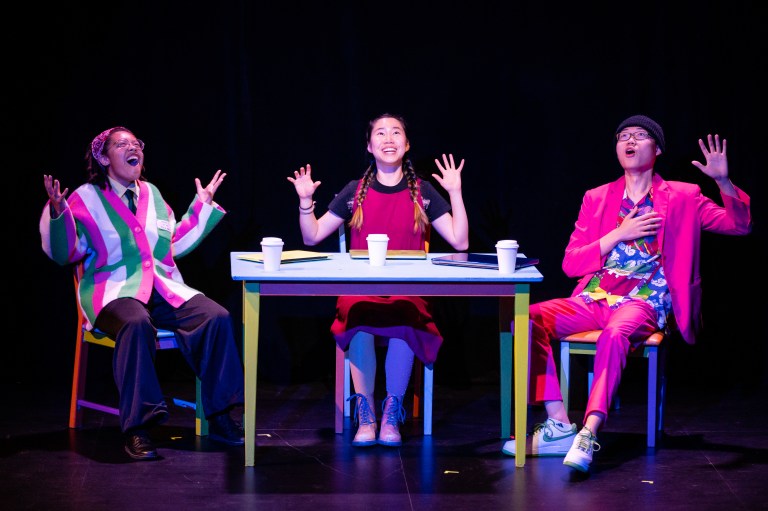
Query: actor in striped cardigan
pixel 126 237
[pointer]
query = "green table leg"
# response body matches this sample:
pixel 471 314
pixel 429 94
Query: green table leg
pixel 251 299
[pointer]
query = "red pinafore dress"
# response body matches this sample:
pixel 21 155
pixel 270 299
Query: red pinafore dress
pixel 402 317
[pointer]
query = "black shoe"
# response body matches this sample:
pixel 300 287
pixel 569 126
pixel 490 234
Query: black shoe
pixel 223 429
pixel 139 446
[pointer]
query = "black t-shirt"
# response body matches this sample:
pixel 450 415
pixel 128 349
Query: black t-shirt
pixel 435 204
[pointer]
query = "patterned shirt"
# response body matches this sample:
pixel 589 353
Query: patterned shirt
pixel 633 270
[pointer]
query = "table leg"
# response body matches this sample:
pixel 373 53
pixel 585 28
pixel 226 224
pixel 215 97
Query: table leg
pixel 251 299
pixel 522 339
pixel 506 308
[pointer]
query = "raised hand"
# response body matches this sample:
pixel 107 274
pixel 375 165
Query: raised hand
pixel 302 180
pixel 714 154
pixel 206 194
pixel 55 195
pixel 451 176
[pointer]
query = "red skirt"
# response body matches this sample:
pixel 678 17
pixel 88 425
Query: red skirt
pixel 402 317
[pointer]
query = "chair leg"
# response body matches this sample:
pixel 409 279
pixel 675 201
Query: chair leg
pixel 662 390
pixel 428 391
pixel 201 423
pixel 565 371
pixel 657 383
pixel 418 382
pixel 78 384
pixel 347 385
pixel 341 388
pixel 653 394
pixel 343 384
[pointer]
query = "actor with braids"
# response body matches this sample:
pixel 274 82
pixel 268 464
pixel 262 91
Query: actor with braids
pixel 120 229
pixel 389 199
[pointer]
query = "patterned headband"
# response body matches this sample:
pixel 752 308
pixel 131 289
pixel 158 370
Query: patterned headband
pixel 98 143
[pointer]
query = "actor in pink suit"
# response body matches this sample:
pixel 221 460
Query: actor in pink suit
pixel 635 248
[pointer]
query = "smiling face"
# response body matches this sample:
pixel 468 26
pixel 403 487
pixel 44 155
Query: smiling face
pixel 123 157
pixel 388 143
pixel 636 155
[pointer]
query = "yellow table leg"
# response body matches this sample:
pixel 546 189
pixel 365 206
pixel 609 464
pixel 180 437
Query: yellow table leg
pixel 522 301
pixel 251 299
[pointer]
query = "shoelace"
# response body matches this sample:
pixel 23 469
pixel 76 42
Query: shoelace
pixel 587 442
pixel 363 411
pixel 394 414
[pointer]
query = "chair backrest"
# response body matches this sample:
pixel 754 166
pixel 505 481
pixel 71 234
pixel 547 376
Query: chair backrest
pixel 342 238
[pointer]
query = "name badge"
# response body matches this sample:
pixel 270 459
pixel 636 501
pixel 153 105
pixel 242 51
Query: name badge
pixel 164 225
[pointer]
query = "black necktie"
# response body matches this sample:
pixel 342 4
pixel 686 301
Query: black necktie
pixel 131 202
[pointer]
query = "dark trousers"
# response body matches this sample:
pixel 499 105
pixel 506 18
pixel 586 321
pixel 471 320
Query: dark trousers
pixel 205 337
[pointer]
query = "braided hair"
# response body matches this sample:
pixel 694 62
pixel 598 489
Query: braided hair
pixel 420 219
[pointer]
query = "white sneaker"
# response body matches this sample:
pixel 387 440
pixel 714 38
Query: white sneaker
pixel 580 454
pixel 551 438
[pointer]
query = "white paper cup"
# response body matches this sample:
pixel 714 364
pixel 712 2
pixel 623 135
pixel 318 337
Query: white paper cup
pixel 506 251
pixel 377 249
pixel 271 251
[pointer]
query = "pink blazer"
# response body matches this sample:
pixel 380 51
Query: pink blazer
pixel 685 214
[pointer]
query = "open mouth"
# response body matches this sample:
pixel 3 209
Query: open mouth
pixel 133 161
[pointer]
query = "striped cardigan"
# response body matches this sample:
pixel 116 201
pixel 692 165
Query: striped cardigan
pixel 125 255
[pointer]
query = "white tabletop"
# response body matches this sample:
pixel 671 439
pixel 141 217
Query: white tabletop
pixel 340 267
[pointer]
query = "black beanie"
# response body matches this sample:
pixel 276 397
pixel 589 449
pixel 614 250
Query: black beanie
pixel 651 126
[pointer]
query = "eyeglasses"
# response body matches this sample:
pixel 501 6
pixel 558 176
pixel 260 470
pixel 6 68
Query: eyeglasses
pixel 125 143
pixel 638 135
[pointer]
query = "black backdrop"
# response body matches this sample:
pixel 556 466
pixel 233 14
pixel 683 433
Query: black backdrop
pixel 528 94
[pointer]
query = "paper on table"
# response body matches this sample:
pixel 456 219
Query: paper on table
pixel 288 256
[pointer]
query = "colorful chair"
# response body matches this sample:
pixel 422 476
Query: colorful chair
pixel 584 343
pixel 165 340
pixel 423 385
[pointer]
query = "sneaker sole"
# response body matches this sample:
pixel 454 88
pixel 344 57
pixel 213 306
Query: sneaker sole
pixel 576 466
pixel 390 444
pixel 367 443
pixel 543 453
pixel 539 455
pixel 142 457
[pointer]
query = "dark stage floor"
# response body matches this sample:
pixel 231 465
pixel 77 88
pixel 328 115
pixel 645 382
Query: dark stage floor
pixel 713 456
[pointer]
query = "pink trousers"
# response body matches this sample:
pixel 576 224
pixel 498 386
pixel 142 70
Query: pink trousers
pixel 624 329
